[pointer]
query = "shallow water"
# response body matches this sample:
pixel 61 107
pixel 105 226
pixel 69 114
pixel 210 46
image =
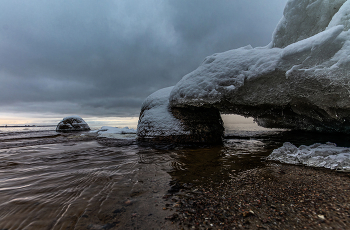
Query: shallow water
pixel 68 181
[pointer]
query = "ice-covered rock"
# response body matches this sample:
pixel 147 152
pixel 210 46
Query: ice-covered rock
pixel 156 118
pixel 159 122
pixel 72 123
pixel 316 155
pixel 300 82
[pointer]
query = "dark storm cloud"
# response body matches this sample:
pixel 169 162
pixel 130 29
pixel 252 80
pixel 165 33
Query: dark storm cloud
pixel 104 57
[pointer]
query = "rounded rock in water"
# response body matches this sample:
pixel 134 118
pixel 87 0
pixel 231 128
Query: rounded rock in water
pixel 71 124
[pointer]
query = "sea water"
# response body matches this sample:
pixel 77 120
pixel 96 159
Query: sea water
pixel 51 180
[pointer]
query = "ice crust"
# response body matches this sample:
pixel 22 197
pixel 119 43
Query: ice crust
pixel 316 155
pixel 303 19
pixel 156 118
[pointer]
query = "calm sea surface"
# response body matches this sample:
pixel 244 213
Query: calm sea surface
pixel 50 180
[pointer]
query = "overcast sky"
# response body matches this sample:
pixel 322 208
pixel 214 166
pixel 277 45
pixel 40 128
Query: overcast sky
pixel 103 58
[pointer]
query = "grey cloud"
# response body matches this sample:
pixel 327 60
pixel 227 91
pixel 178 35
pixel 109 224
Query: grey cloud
pixel 104 57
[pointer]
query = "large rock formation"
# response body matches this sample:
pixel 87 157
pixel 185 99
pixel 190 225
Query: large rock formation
pixel 72 124
pixel 301 80
pixel 160 123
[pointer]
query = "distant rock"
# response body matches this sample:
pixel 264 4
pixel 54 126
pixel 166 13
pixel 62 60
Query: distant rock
pixel 71 124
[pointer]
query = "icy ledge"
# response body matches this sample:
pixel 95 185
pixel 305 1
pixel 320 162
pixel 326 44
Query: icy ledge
pixel 316 155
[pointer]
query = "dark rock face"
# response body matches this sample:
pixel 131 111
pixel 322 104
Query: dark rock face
pixel 300 102
pixel 72 124
pixel 200 126
pixel 203 124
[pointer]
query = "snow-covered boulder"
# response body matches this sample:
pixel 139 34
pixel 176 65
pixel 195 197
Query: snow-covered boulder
pixel 301 80
pixel 72 123
pixel 158 122
pixel 316 155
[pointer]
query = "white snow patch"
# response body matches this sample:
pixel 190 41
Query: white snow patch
pixel 316 155
pixel 117 133
pixel 156 118
pixel 115 130
pixel 305 18
pixel 342 17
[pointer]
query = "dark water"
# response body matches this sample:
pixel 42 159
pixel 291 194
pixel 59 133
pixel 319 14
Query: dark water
pixel 72 181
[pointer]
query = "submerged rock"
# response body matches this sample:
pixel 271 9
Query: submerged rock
pixel 71 124
pixel 160 123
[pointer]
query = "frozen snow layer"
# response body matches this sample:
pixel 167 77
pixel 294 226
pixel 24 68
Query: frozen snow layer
pixel 156 118
pixel 72 123
pixel 221 76
pixel 342 17
pixel 114 132
pixel 316 155
pixel 305 18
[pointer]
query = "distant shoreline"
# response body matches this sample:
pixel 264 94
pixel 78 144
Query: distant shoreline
pixel 25 126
